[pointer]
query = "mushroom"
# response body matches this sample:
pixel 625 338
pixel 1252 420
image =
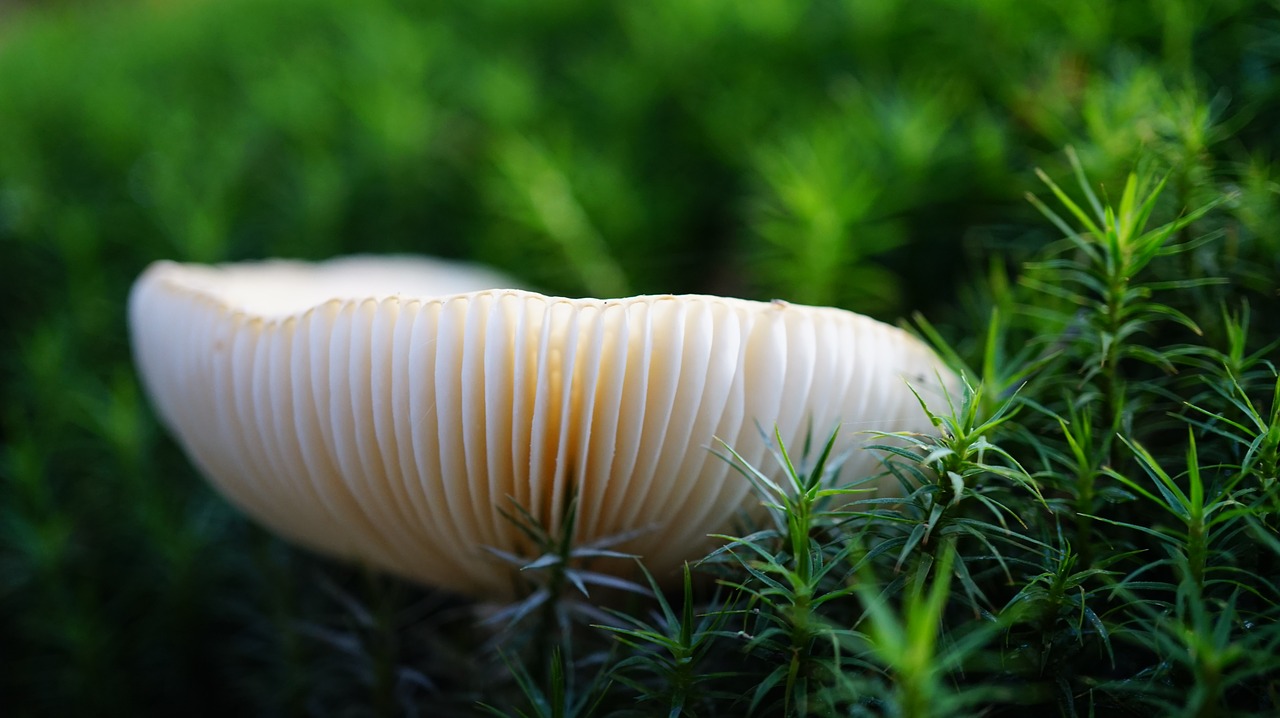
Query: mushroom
pixel 390 409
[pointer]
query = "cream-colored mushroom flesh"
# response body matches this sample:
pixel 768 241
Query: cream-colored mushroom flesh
pixel 389 410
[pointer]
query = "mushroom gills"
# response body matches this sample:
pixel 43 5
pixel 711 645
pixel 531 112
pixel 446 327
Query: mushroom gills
pixel 363 414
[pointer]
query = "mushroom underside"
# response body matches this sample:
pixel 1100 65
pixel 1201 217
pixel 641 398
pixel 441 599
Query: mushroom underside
pixel 357 410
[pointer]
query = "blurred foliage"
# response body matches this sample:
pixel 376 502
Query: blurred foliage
pixel 867 154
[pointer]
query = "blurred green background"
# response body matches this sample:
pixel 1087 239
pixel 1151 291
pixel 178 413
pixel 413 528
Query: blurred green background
pixel 869 154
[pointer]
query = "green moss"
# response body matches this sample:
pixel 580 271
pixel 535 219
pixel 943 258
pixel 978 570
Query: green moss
pixel 1104 541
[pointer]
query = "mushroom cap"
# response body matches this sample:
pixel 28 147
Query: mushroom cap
pixel 391 409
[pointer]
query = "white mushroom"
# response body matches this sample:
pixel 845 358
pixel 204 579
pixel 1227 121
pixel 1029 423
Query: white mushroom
pixel 389 410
